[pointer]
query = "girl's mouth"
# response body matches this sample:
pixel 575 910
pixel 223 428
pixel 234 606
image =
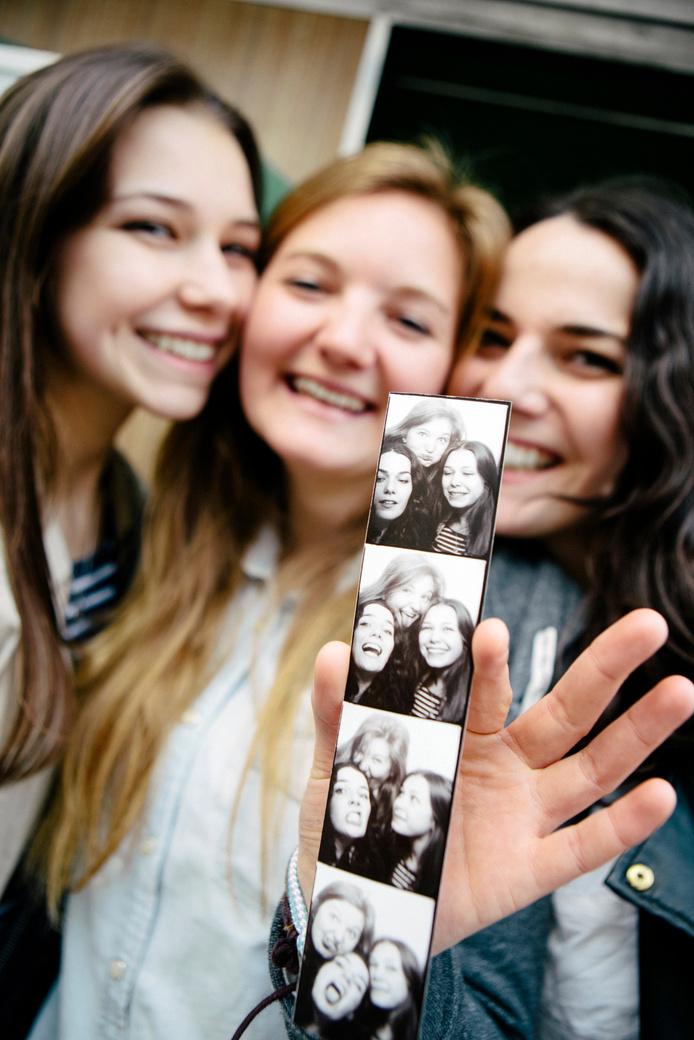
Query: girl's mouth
pixel 333 993
pixel 181 346
pixel 527 459
pixel 319 392
pixel 371 648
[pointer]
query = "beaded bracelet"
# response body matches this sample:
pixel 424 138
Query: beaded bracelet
pixel 297 905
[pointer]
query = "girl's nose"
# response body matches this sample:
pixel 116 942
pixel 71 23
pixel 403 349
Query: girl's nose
pixel 345 336
pixel 209 283
pixel 520 376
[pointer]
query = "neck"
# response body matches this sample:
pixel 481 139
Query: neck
pixel 419 845
pixel 364 680
pixel 323 507
pixel 340 845
pixel 85 426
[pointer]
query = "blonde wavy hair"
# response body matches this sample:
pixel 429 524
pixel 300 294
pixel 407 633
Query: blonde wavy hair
pixel 208 503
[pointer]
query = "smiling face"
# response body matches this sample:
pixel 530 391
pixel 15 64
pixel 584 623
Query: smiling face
pixel 409 601
pixel 461 482
pixel 374 759
pixel 556 349
pixel 350 804
pixel 393 486
pixel 429 440
pixel 413 815
pixel 388 987
pixel 440 639
pixel 360 299
pixel 374 638
pixel 340 985
pixel 337 927
pixel 150 295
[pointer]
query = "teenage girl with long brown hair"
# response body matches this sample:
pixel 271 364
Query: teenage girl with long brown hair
pixel 128 229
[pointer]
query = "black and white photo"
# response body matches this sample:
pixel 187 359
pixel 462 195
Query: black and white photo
pixel 390 796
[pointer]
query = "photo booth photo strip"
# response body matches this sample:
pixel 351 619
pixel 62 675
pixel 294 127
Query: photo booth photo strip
pixel 438 475
pixel 424 571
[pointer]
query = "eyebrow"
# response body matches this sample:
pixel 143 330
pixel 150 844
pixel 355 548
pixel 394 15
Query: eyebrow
pixel 403 290
pixel 172 200
pixel 581 331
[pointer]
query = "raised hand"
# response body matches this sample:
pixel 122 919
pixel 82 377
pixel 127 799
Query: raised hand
pixel 515 787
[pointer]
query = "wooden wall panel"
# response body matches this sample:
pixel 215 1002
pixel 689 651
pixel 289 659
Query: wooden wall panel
pixel 290 72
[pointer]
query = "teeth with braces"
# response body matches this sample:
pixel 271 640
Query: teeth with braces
pixel 311 388
pixel 190 349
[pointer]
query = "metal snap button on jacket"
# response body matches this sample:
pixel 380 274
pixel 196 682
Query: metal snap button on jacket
pixel 640 877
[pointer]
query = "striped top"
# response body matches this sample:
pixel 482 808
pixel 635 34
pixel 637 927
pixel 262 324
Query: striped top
pixel 427 704
pixel 449 541
pixel 403 877
pixel 95 587
pixel 100 580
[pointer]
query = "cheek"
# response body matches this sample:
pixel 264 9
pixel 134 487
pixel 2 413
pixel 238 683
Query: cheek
pixel 599 439
pixel 424 372
pixel 467 378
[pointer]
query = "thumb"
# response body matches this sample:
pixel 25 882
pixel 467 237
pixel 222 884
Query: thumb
pixel 329 681
pixel 490 695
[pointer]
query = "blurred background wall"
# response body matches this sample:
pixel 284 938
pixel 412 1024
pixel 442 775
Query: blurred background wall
pixel 533 95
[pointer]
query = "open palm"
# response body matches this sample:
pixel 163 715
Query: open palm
pixel 507 846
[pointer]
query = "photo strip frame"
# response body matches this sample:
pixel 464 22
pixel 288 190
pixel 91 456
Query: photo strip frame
pixel 421 589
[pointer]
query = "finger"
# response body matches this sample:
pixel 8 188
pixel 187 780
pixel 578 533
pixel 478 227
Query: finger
pixel 548 730
pixel 330 677
pixel 329 681
pixel 605 834
pixel 490 693
pixel 582 779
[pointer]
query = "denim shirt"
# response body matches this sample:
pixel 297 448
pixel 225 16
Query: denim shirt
pixel 170 938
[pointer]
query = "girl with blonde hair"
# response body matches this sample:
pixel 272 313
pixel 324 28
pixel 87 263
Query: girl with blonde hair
pixel 179 798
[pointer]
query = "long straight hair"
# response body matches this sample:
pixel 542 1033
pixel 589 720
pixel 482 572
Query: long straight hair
pixel 431 859
pixel 455 676
pixel 217 483
pixel 58 128
pixel 480 516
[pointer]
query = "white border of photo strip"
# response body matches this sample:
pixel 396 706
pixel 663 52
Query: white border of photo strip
pixel 432 745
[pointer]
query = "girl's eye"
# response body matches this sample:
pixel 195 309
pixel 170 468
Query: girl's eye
pixel 414 325
pixel 234 249
pixel 308 285
pixel 493 341
pixel 590 359
pixel 149 227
